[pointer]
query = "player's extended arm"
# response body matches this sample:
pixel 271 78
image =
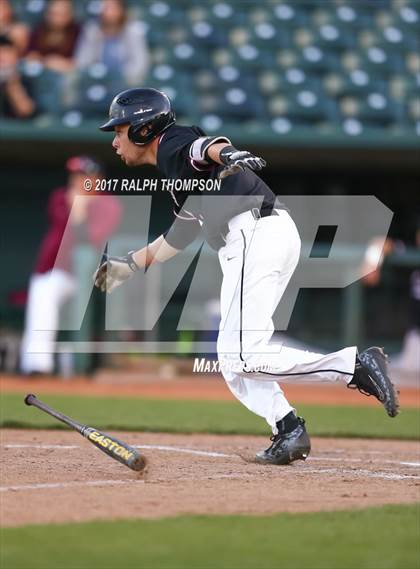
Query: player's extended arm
pixel 116 270
pixel 234 160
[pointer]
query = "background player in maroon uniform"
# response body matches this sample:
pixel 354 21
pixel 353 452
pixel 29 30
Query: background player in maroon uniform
pixel 93 218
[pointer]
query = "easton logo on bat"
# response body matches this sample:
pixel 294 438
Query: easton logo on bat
pixel 109 444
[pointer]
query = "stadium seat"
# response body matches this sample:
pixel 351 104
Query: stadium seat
pixel 355 82
pixel 29 11
pixel 232 102
pixel 225 13
pixel 289 13
pixel 346 65
pixel 374 109
pixel 302 105
pixel 176 85
pixel 45 86
pixel 95 88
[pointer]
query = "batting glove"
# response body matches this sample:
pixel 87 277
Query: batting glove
pixel 114 271
pixel 237 160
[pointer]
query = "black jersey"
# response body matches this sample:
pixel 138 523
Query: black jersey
pixel 208 215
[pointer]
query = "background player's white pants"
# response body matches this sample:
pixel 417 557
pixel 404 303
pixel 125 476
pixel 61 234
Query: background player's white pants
pixel 258 261
pixel 47 293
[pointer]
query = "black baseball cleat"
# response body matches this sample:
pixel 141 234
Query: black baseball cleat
pixel 287 447
pixel 371 377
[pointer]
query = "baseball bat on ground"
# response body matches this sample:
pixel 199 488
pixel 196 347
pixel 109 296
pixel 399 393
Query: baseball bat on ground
pixel 112 446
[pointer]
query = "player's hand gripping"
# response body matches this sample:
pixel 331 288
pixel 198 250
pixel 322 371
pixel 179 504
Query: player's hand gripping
pixel 114 271
pixel 237 160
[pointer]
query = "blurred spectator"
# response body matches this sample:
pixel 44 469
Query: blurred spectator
pixel 17 32
pixel 53 41
pixel 15 98
pixel 375 254
pixel 409 358
pixel 116 42
pixel 93 219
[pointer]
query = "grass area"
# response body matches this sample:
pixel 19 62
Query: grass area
pixel 204 417
pixel 375 538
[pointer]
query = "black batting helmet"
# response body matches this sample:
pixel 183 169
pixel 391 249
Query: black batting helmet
pixel 147 111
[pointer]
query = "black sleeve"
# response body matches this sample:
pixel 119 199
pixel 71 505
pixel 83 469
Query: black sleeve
pixel 173 157
pixel 174 147
pixel 182 233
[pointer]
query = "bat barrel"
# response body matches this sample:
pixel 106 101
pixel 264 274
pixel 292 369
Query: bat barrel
pixel 113 447
pixel 138 463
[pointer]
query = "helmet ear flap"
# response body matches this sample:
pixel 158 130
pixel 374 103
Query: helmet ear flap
pixel 140 134
pixel 144 133
pixel 131 134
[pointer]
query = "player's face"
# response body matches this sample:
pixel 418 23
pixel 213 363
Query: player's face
pixel 129 152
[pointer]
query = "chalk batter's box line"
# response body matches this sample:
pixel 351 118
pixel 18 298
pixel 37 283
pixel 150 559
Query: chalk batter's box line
pixel 358 473
pixel 168 448
pixel 328 471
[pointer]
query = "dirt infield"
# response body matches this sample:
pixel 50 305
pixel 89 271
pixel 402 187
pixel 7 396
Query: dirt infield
pixel 197 387
pixel 55 476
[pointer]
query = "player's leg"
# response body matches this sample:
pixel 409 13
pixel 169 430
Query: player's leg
pixel 265 277
pixel 265 398
pixel 257 266
pixel 289 440
pixel 35 362
pixel 47 292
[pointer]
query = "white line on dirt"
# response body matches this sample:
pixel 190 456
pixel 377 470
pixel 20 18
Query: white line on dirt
pixel 151 447
pixel 42 446
pixel 176 449
pixel 51 485
pixel 364 460
pixel 187 451
pixel 359 472
pixel 355 451
pixel 169 448
pixel 232 476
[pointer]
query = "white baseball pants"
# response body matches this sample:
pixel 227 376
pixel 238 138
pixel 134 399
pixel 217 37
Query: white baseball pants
pixel 47 293
pixel 257 262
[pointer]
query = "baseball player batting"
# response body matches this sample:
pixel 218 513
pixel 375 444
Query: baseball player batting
pixel 258 250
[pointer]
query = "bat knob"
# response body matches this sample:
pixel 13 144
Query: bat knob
pixel 29 399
